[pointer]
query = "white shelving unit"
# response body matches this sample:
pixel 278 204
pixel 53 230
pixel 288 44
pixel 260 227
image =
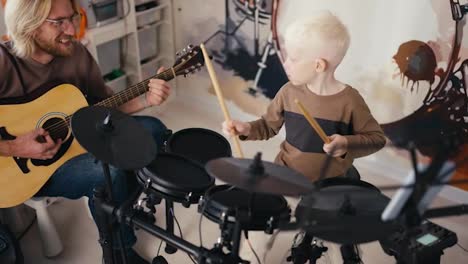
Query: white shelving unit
pixel 144 41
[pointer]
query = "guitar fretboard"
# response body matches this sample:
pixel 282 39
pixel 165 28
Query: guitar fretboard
pixel 134 91
pixel 117 99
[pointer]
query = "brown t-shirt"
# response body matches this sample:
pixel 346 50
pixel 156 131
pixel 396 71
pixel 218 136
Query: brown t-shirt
pixel 79 69
pixel 344 113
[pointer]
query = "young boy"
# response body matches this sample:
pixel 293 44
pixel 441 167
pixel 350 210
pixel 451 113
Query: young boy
pixel 315 46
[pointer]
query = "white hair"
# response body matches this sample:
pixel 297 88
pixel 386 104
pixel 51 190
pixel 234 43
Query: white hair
pixel 321 29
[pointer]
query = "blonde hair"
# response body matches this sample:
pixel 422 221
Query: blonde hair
pixel 321 29
pixel 23 18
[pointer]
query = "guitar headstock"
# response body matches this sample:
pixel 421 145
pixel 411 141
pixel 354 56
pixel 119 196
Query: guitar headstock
pixel 189 60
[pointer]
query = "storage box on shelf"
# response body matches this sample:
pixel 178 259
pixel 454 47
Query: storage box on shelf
pixel 118 84
pixel 148 41
pixel 109 56
pixel 146 15
pixel 140 2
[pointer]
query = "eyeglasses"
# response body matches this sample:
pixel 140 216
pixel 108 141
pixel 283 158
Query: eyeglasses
pixel 61 24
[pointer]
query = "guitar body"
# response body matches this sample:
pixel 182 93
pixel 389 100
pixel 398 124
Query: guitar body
pixel 21 178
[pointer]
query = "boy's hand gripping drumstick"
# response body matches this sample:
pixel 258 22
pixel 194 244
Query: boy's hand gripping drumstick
pixel 313 123
pixel 219 93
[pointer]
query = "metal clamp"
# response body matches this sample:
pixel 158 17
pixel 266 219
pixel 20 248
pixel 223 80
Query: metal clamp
pixel 188 199
pixel 147 184
pixel 270 225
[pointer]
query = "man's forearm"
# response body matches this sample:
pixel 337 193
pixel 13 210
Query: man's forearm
pixel 132 106
pixel 5 148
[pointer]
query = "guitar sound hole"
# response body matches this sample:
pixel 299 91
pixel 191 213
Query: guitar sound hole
pixel 57 128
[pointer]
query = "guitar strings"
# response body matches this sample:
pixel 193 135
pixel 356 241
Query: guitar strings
pixel 169 74
pixel 116 99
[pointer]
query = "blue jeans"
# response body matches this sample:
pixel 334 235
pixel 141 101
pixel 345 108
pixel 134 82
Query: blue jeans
pixel 80 175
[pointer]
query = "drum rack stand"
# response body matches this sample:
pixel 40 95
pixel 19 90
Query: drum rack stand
pixel 102 195
pixel 261 59
pixel 126 215
pixel 228 24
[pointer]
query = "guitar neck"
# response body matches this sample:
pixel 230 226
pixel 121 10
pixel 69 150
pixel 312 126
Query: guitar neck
pixel 136 90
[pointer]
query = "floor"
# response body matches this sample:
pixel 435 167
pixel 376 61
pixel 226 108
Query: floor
pixel 196 106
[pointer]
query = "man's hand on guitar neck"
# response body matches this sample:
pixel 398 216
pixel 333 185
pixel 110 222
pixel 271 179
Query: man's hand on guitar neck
pixel 158 91
pixel 36 144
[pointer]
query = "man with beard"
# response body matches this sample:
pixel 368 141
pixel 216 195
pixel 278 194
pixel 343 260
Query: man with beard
pixel 42 51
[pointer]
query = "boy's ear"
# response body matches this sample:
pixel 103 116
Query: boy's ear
pixel 321 65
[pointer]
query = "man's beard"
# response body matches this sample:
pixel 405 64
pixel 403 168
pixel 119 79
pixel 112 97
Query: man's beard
pixel 54 47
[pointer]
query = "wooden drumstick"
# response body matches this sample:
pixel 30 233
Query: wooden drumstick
pixel 313 123
pixel 219 94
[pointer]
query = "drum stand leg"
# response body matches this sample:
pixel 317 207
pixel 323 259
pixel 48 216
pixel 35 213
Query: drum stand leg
pixel 261 65
pixel 307 250
pixel 350 254
pixel 231 238
pixel 227 26
pixel 102 195
pixel 170 225
pixel 104 228
pixel 256 29
pixel 236 237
